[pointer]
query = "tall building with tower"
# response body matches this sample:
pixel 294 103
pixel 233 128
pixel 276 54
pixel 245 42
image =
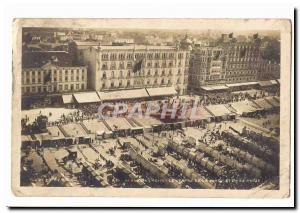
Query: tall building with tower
pixel 226 62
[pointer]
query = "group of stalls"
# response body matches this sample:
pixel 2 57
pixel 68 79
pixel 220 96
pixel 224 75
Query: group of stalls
pixel 250 108
pixel 92 177
pixel 54 137
pixel 161 172
pixel 113 96
pixel 268 85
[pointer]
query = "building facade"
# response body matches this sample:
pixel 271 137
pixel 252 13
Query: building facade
pixel 242 62
pixel 269 70
pixel 207 66
pixel 51 72
pixel 224 63
pixel 113 67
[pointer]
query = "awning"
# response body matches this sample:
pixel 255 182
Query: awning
pixel 242 84
pixel 86 97
pixel 198 114
pixel 123 94
pixel 274 82
pixel 268 83
pixel 25 138
pixel 218 110
pixel 273 101
pixel 161 91
pixel 262 103
pixel 243 107
pixel 278 80
pixel 68 99
pixel 118 123
pixel 215 87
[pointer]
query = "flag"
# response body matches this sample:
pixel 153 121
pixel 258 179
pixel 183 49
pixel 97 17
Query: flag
pixel 137 65
pixel 47 77
pixel 217 55
pixel 243 53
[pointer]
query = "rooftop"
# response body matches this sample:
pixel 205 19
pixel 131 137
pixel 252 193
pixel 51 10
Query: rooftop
pixel 37 59
pixel 134 47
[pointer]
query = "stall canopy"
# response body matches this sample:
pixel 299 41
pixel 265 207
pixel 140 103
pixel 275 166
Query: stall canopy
pixel 68 99
pixel 273 101
pixel 242 84
pixel 215 87
pixel 243 107
pixel 118 123
pixel 218 110
pixel 198 113
pixel 161 91
pixel 268 83
pixel 262 103
pixel 123 94
pixel 86 97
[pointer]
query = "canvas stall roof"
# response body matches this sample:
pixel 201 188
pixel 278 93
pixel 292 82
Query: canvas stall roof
pixel 26 138
pixel 68 99
pixel 161 91
pixel 118 123
pixel 243 107
pixel 273 101
pixel 95 126
pixel 278 80
pixel 123 94
pixel 218 110
pixel 55 132
pixel 262 103
pixel 242 84
pixel 266 83
pixel 277 98
pixel 199 114
pixel 214 87
pixel 90 154
pixel 86 97
pixel 73 130
pixel 274 82
pixel 146 122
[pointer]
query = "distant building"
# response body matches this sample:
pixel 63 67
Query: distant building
pixel 51 72
pixel 207 66
pixel 269 70
pixel 226 62
pixel 242 62
pixel 123 41
pixel 135 66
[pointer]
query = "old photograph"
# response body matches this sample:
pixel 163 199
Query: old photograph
pixel 146 105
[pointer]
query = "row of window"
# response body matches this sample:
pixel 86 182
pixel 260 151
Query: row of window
pixel 41 80
pixel 132 56
pixel 129 65
pixel 252 78
pixel 148 73
pixel 245 72
pixel 52 88
pixel 55 71
pixel 129 83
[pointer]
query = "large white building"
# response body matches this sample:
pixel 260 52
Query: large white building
pixel 51 72
pixel 113 67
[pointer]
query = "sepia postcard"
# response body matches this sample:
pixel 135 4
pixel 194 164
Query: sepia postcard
pixel 151 107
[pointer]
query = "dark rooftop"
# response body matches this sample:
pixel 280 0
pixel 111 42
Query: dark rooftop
pixel 36 59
